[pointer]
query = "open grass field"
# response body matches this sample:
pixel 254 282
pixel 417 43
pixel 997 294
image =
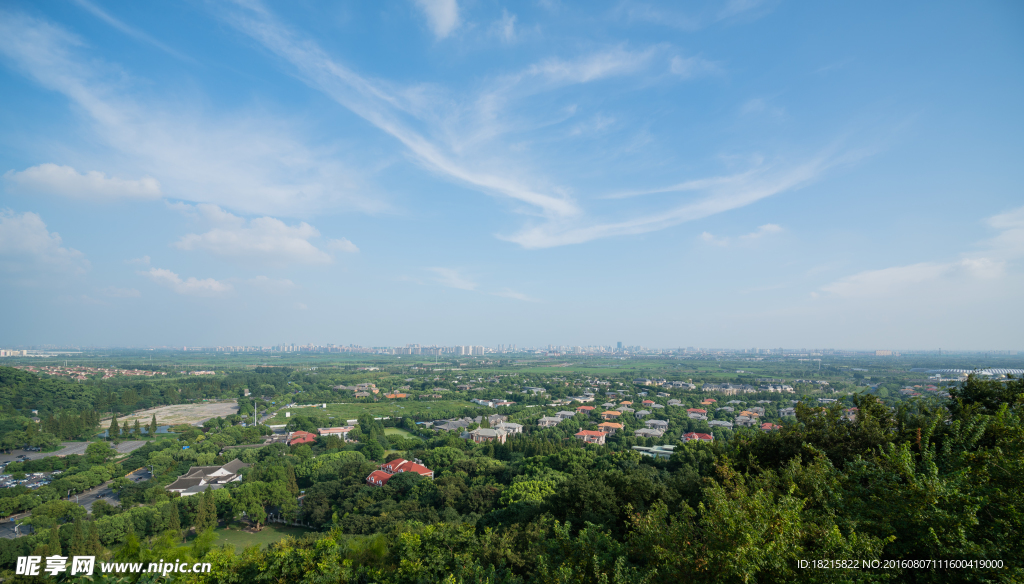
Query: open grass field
pixel 397 432
pixel 235 535
pixel 179 414
pixel 351 411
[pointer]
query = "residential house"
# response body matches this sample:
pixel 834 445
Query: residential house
pixel 585 409
pixel 657 407
pixel 565 415
pixel 648 433
pixel 503 403
pixel 378 478
pixel 591 436
pixel 201 478
pixel 850 414
pixel 697 414
pixel 548 422
pixel 725 409
pixel 301 437
pixel 481 435
pixel 745 421
pixel 610 415
pixel 401 465
pixel 787 412
pixel 607 405
pixel 625 403
pixel 509 427
pixel 758 410
pixel 768 426
pixel 609 427
pixel 698 436
pixel 720 423
pixel 624 409
pixel 642 414
pixel 657 424
pixel 340 431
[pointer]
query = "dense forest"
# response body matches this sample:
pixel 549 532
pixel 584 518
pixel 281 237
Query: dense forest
pixel 926 480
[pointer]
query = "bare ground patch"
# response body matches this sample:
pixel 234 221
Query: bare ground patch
pixel 180 414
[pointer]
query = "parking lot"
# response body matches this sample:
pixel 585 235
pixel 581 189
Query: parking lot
pixel 68 448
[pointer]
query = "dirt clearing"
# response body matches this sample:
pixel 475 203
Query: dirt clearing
pixel 179 414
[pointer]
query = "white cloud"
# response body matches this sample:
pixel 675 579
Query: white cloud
pixel 452 278
pixel 50 179
pixel 442 15
pixel 143 261
pixel 115 292
pixel 265 238
pixel 190 287
pixel 689 67
pixel 26 245
pixel 888 281
pixel 505 27
pixel 990 264
pixel 253 161
pixel 766 229
pixel 343 245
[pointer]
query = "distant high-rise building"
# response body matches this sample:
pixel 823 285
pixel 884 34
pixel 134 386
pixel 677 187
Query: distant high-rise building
pixel 618 345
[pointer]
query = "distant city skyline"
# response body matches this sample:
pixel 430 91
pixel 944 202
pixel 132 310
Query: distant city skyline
pixel 718 172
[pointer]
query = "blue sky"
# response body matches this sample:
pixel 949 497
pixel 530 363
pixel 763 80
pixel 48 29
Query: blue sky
pixel 726 174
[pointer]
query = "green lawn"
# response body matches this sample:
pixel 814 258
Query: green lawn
pixel 243 539
pixel 397 432
pixel 342 412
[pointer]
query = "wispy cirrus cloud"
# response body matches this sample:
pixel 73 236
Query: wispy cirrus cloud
pixel 251 161
pixel 455 145
pixel 995 258
pixel 51 179
pixel 760 232
pixel 722 194
pixel 453 278
pixel 129 30
pixel 509 293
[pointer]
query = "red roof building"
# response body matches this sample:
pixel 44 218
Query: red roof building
pixel 378 478
pixel 301 437
pixel 402 465
pixel 698 436
pixel 609 427
pixel 767 426
pixel 584 409
pixel 648 402
pixel 591 436
pixel 696 411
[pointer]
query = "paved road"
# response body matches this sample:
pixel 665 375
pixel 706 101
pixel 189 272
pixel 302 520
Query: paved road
pixel 71 448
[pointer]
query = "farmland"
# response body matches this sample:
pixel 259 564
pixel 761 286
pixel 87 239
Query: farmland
pixel 349 411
